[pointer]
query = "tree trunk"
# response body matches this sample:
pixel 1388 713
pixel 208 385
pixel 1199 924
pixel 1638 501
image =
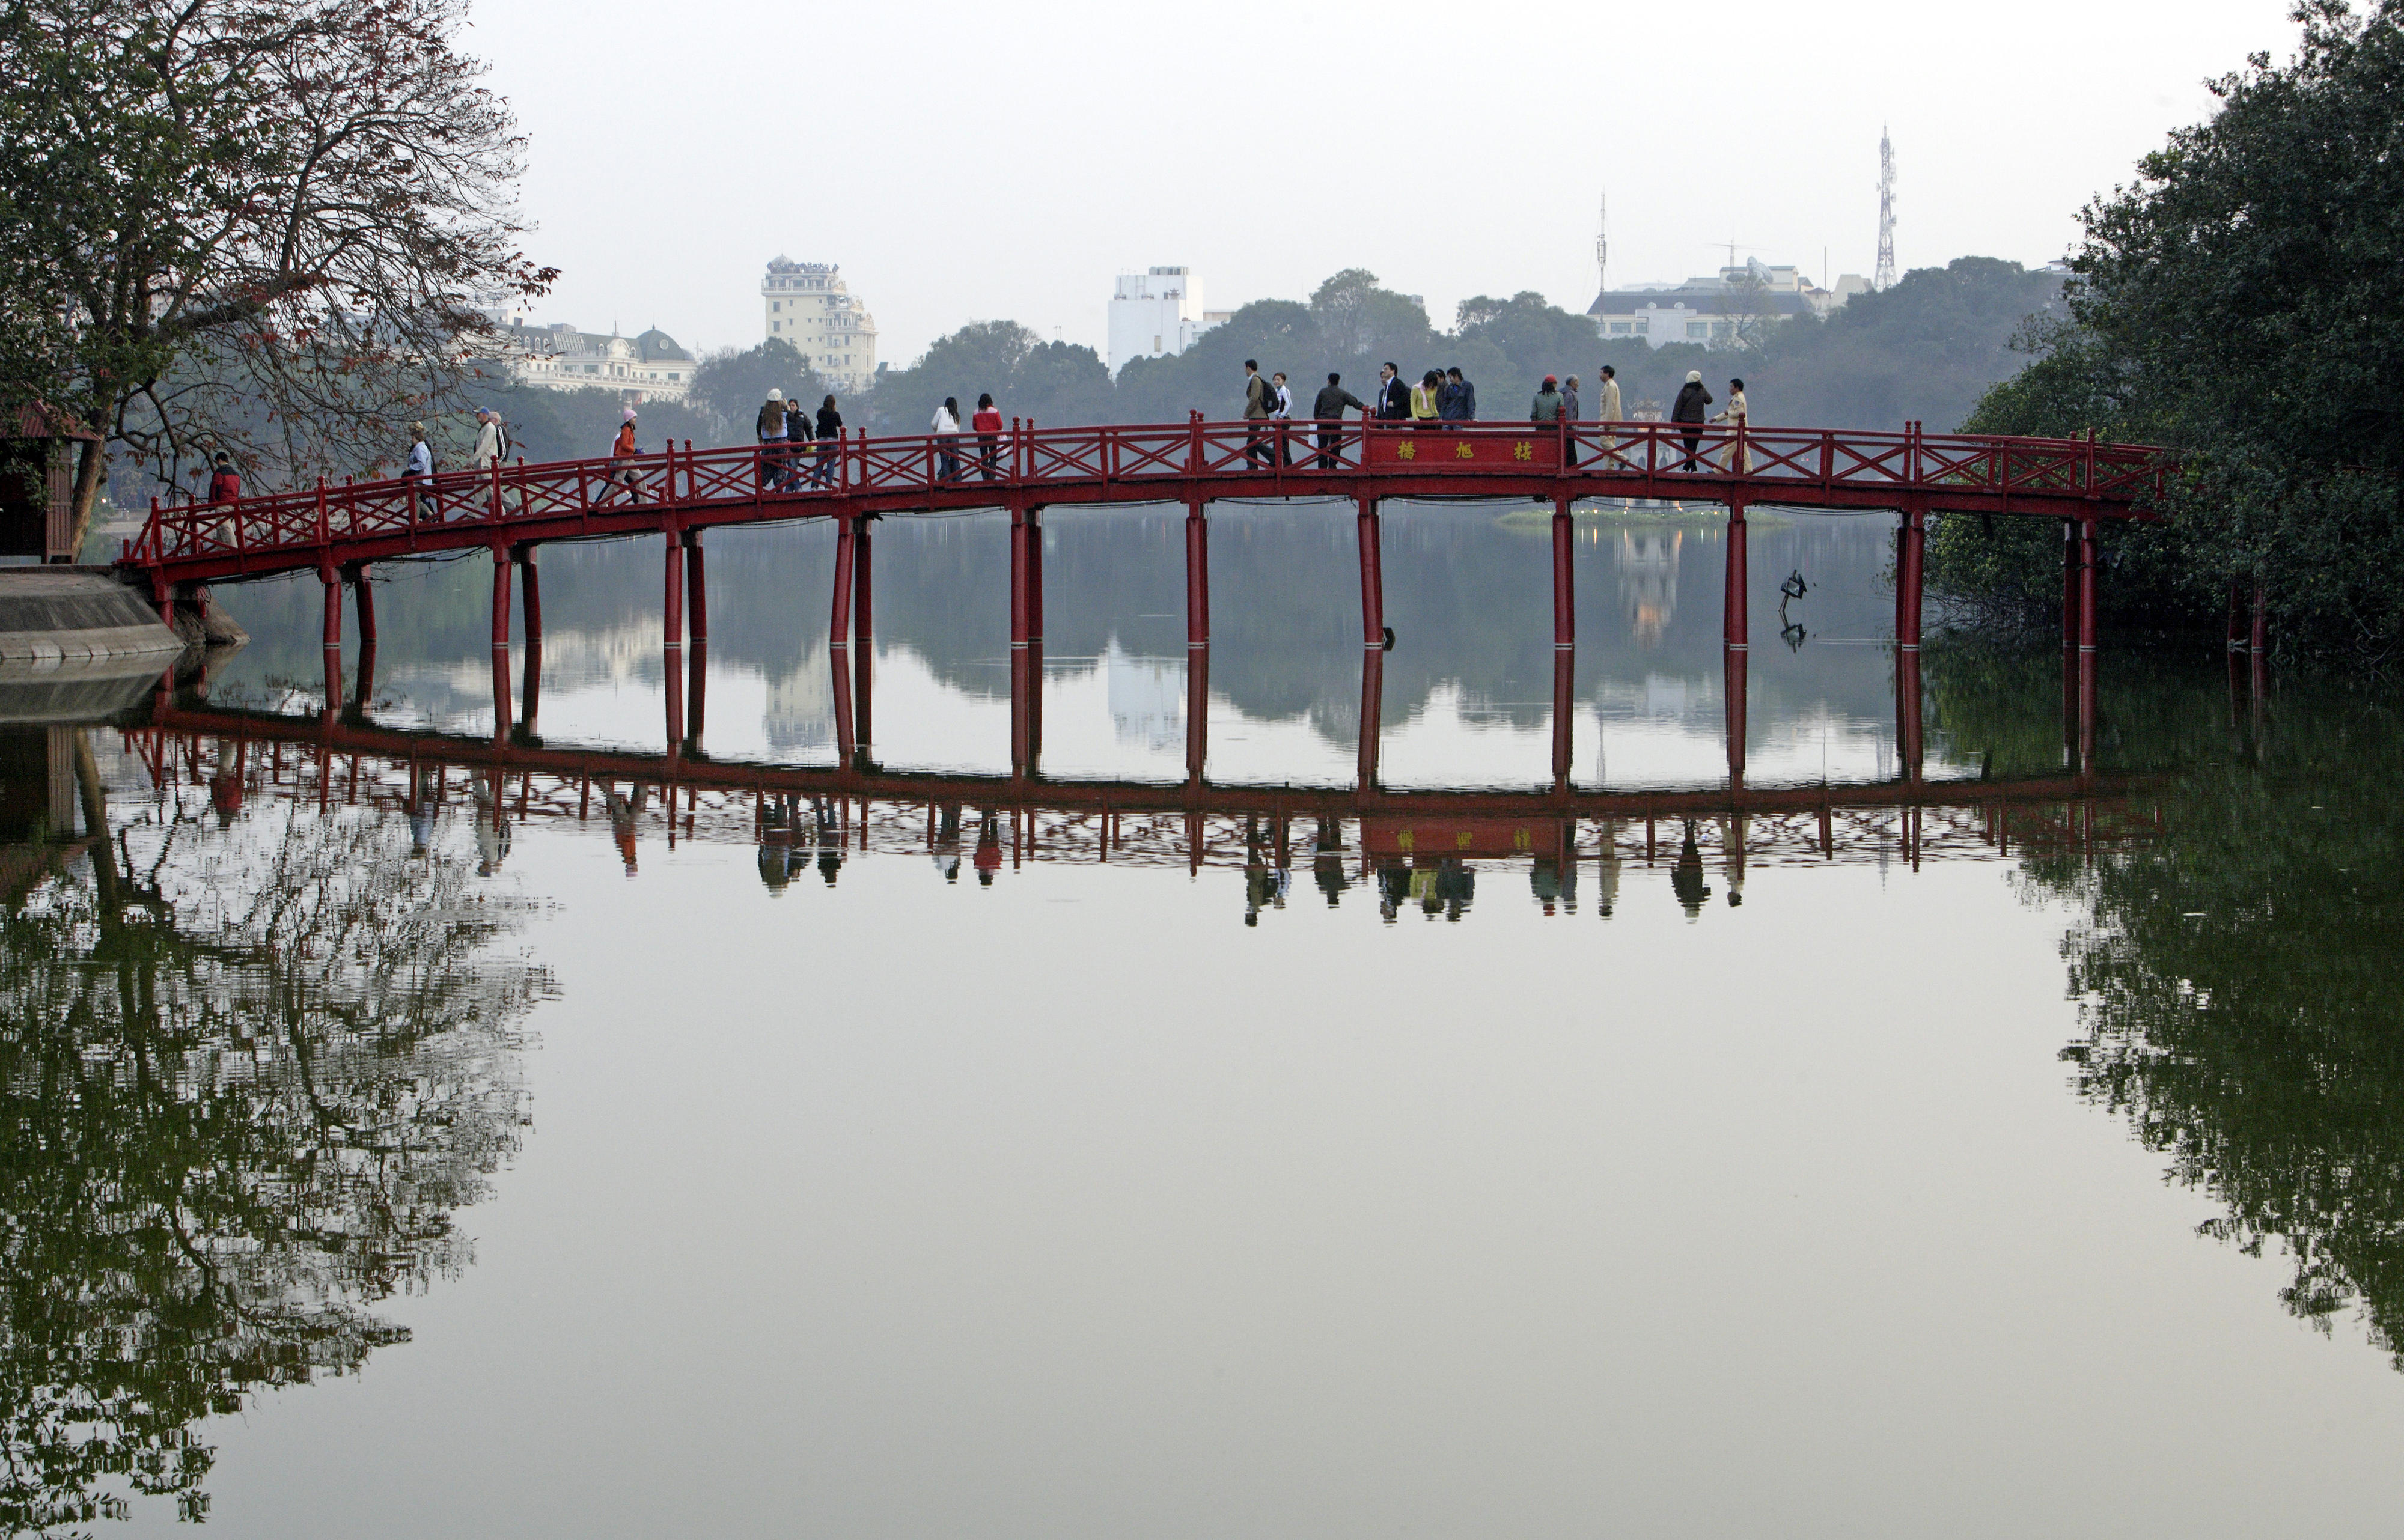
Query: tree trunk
pixel 88 474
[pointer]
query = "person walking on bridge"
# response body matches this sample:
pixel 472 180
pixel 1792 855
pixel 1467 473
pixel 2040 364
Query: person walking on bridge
pixel 797 438
pixel 1258 398
pixel 988 424
pixel 1546 410
pixel 1738 458
pixel 623 473
pixel 1687 413
pixel 1281 413
pixel 1572 415
pixel 772 429
pixel 1328 408
pixel 1423 399
pixel 417 470
pixel 829 438
pixel 1393 397
pixel 1606 404
pixel 493 448
pixel 947 428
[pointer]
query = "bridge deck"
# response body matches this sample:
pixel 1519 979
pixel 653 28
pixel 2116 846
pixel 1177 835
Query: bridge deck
pixel 682 490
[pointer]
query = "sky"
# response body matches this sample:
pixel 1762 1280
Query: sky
pixel 965 162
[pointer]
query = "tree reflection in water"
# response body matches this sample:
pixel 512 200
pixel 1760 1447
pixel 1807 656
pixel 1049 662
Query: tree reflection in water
pixel 251 1069
pixel 2242 973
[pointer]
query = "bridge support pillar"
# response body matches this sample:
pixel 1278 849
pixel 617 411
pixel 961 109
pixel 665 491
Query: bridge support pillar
pixel 2258 639
pixel 696 660
pixel 1373 579
pixel 363 600
pixel 1734 629
pixel 1373 701
pixel 530 585
pixel 1026 638
pixel 1734 662
pixel 2070 583
pixel 864 637
pixel 2087 555
pixel 1910 561
pixel 1197 577
pixel 1564 640
pixel 1909 744
pixel 1197 714
pixel 671 639
pixel 332 582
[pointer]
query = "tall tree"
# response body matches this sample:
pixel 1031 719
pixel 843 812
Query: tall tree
pixel 258 226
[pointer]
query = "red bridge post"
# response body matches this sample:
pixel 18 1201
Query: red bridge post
pixel 1909 742
pixel 863 636
pixel 1373 701
pixel 332 580
pixel 363 597
pixel 1373 581
pixel 1735 602
pixel 696 663
pixel 530 581
pixel 1734 663
pixel 1197 573
pixel 1197 714
pixel 1564 640
pixel 671 637
pixel 1909 569
pixel 2087 555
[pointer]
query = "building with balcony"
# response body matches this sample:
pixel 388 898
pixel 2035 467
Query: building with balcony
pixel 809 305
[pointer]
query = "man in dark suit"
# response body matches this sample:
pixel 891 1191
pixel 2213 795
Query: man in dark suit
pixel 1329 407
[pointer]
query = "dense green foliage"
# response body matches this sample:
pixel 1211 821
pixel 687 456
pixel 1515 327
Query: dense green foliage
pixel 2242 302
pixel 2240 956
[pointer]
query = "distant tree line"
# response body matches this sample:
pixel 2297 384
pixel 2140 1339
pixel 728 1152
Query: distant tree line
pixel 2239 301
pixel 1925 349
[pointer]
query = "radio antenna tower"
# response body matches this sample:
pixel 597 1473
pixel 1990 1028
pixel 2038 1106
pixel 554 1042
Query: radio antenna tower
pixel 1602 242
pixel 1885 276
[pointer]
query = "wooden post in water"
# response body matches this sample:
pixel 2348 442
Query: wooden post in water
pixel 1564 640
pixel 863 636
pixel 671 637
pixel 1198 575
pixel 1911 564
pixel 1373 699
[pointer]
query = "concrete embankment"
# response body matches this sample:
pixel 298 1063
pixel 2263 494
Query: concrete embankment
pixel 54 618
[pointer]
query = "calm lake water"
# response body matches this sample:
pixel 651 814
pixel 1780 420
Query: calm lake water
pixel 398 1147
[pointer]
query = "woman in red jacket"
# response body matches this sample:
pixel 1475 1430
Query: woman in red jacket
pixel 622 470
pixel 988 424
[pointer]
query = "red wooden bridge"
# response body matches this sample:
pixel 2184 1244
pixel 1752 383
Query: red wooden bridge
pixel 340 532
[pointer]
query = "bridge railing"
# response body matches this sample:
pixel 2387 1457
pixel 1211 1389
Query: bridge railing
pixel 1290 455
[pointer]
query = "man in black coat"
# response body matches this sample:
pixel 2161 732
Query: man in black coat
pixel 1693 400
pixel 1329 407
pixel 1393 397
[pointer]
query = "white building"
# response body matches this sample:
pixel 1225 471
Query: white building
pixel 1155 315
pixel 650 367
pixel 810 306
pixel 1713 308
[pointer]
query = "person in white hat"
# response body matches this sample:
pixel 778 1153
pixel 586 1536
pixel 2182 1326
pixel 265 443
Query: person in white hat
pixel 772 432
pixel 1687 413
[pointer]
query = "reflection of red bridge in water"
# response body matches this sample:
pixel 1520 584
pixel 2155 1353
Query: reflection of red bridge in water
pixel 340 532
pixel 241 755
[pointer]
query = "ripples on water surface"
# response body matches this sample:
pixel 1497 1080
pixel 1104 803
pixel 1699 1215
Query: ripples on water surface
pixel 404 1139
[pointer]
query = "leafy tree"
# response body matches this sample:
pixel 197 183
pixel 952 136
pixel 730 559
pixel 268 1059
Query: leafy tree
pixel 1057 383
pixel 258 227
pixel 2231 304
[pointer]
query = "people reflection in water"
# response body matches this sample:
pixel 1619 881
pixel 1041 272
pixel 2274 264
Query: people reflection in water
pixel 492 830
pixel 225 787
pixel 624 812
pixel 1554 882
pixel 947 842
pixel 421 813
pixel 1606 886
pixel 1393 887
pixel 1265 887
pixel 776 843
pixel 1444 885
pixel 1327 860
pixel 1686 876
pixel 1734 832
pixel 988 850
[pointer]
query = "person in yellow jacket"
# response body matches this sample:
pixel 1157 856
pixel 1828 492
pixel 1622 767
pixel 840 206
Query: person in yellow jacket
pixel 1424 403
pixel 1738 458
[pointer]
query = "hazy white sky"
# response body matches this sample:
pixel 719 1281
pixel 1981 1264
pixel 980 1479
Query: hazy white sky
pixel 978 161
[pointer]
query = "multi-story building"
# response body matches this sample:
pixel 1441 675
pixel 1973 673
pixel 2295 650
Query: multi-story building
pixel 1717 310
pixel 1156 314
pixel 808 305
pixel 649 368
